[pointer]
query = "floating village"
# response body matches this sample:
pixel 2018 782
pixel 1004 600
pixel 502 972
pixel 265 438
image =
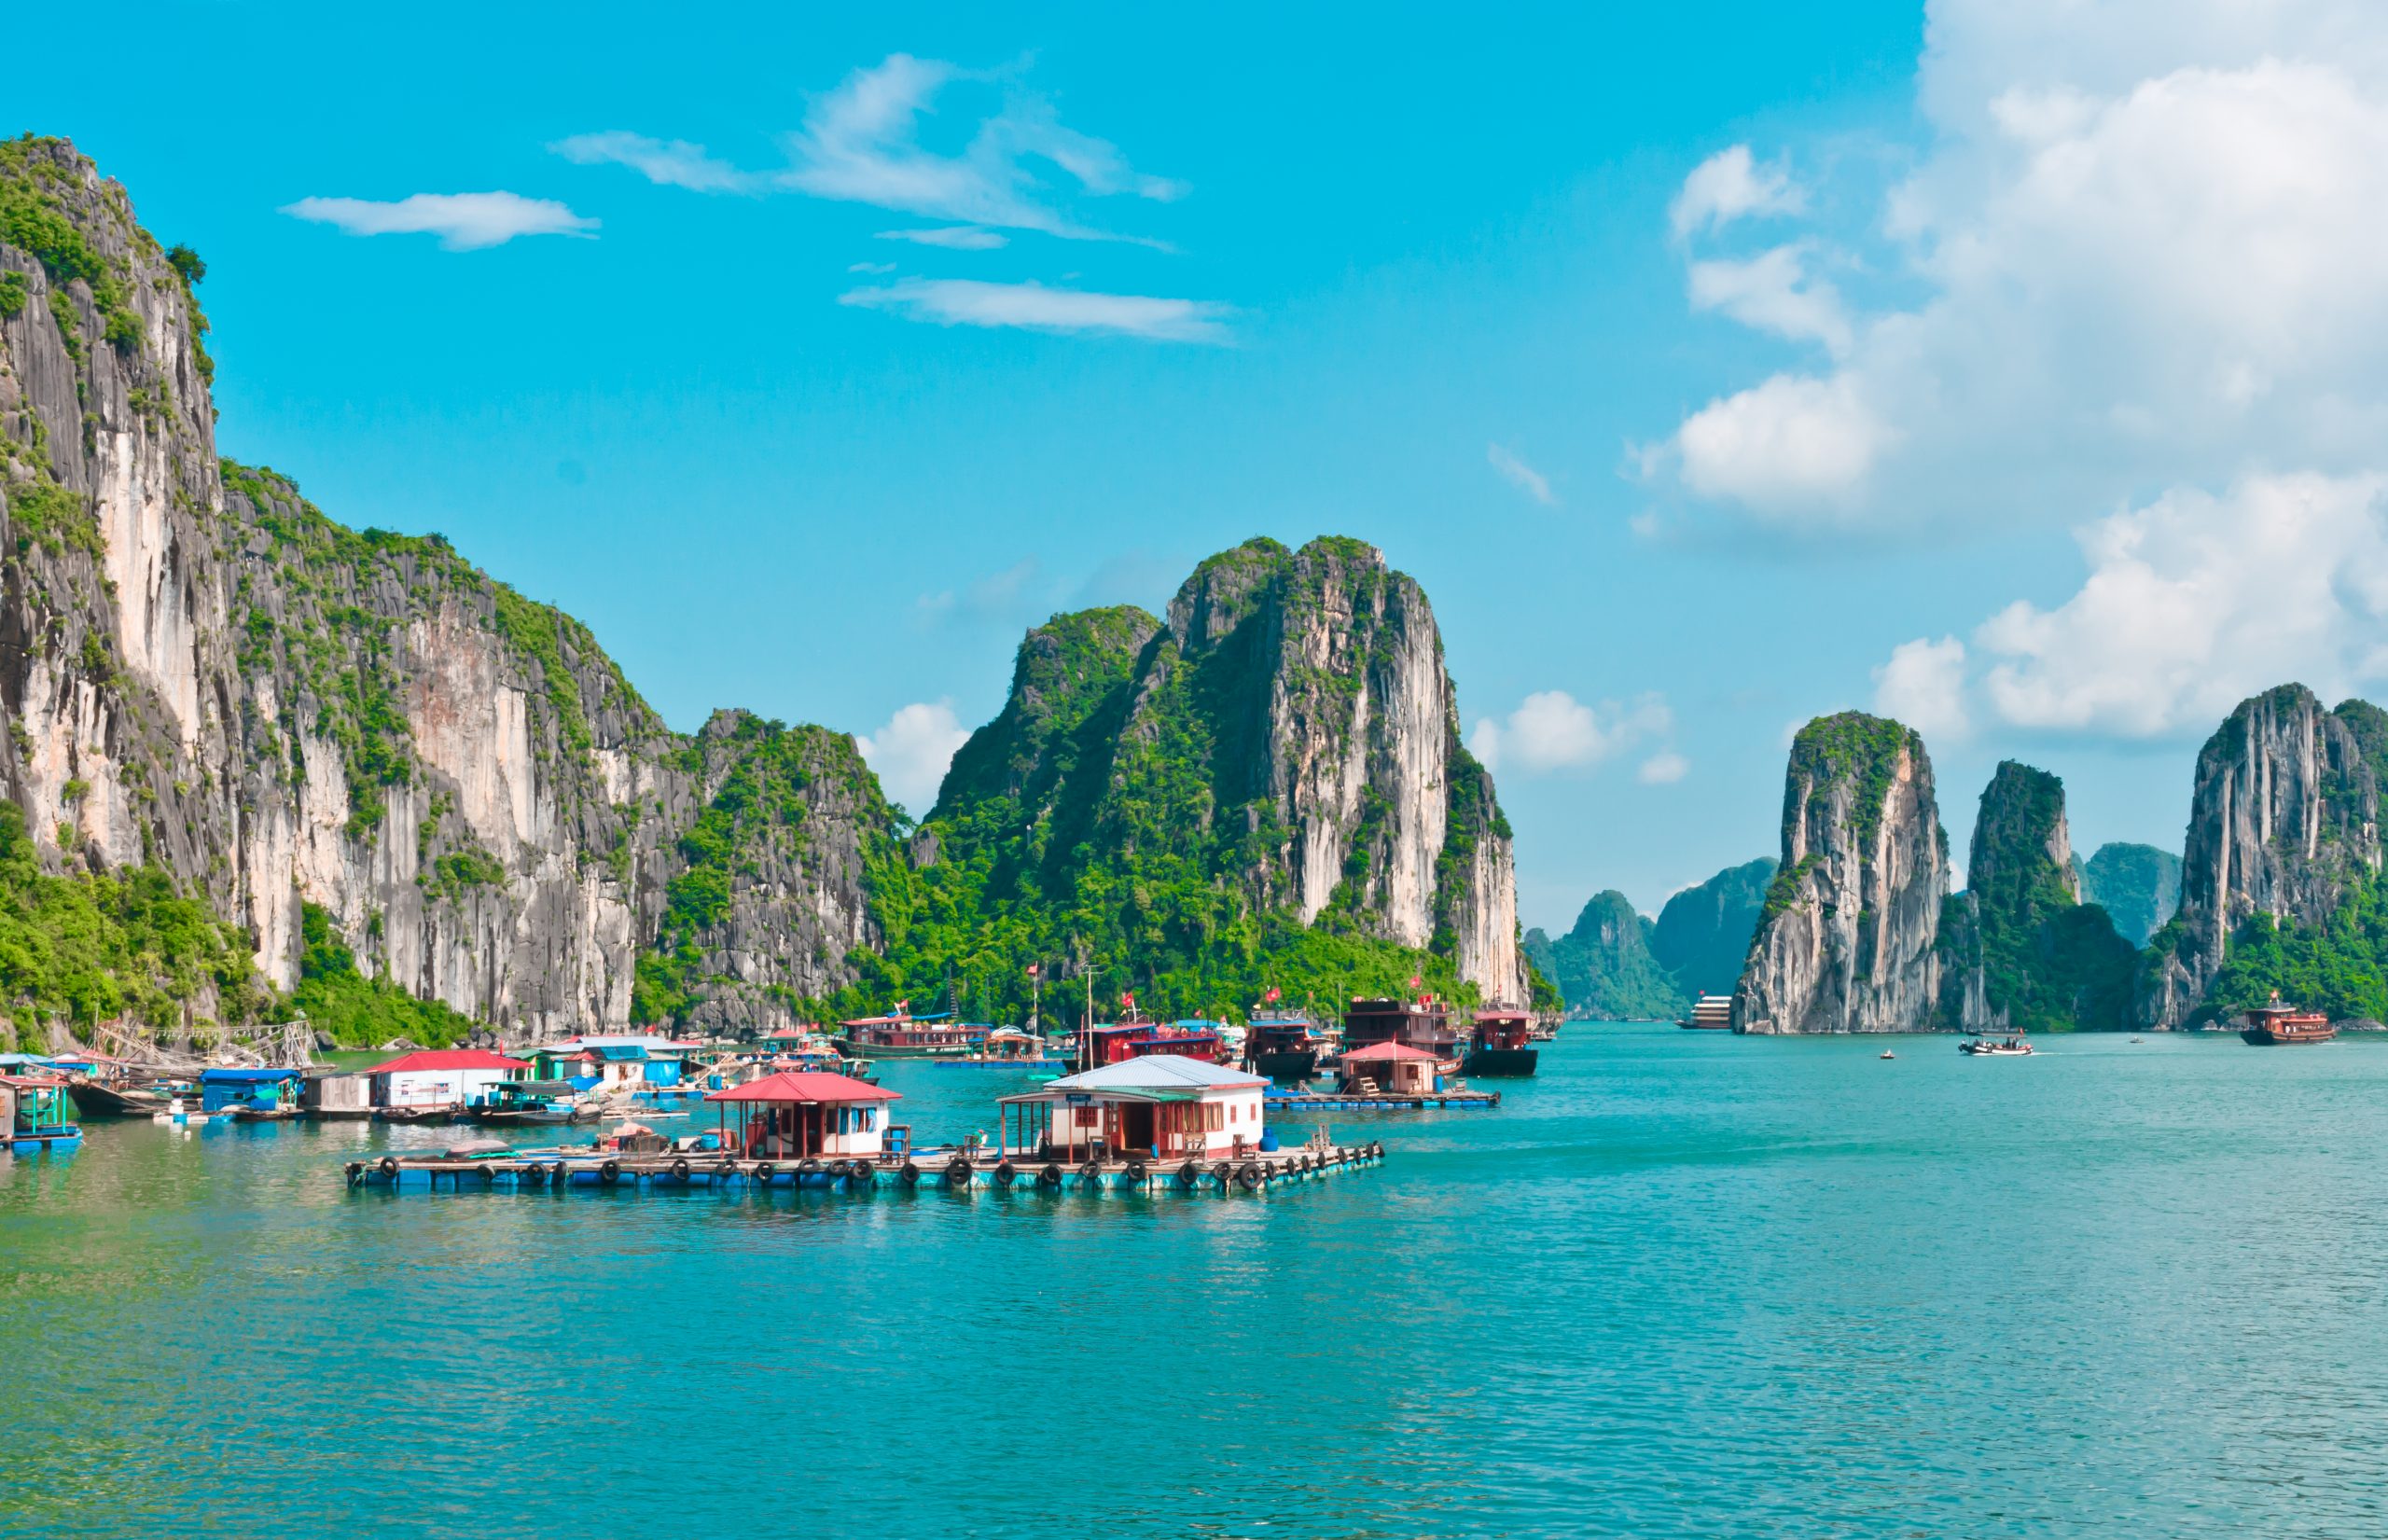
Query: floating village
pixel 1132 1104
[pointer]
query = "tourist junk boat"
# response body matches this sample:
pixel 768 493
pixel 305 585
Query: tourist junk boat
pixel 1005 1048
pixel 1710 1013
pixel 904 1035
pixel 1424 1023
pixel 1284 1047
pixel 2276 1025
pixel 1103 1043
pixel 1501 1044
pixel 2013 1046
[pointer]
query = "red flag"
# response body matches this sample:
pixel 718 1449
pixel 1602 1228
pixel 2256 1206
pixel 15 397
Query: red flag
pixel 1033 970
pixel 1269 998
pixel 902 1006
pixel 1415 980
pixel 1129 1001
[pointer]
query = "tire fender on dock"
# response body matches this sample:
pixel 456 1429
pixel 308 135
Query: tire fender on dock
pixel 957 1172
pixel 909 1173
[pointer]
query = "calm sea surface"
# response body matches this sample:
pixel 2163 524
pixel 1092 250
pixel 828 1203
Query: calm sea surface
pixel 1681 1284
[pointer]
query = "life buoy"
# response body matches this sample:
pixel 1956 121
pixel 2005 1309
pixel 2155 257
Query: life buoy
pixel 1004 1172
pixel 1190 1174
pixel 1223 1173
pixel 765 1171
pixel 680 1168
pixel 610 1172
pixel 909 1174
pixel 390 1167
pixel 957 1172
pixel 1136 1174
pixel 1248 1177
pixel 1050 1176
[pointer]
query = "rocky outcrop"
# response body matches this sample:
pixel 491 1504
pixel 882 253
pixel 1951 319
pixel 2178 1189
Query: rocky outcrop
pixel 2020 948
pixel 1703 933
pixel 1603 967
pixel 1284 744
pixel 2283 821
pixel 2139 886
pixel 1846 941
pixel 205 674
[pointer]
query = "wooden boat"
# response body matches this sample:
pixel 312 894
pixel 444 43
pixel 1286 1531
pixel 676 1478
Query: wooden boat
pixel 2276 1025
pixel 1283 1047
pixel 116 1099
pixel 521 1101
pixel 1996 1048
pixel 903 1035
pixel 1710 1013
pixel 1005 1048
pixel 416 1114
pixel 1425 1022
pixel 1500 1046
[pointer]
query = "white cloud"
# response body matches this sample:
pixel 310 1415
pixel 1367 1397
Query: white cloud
pixel 969 303
pixel 464 221
pixel 874 268
pixel 1552 730
pixel 1731 185
pixel 675 163
pixel 1663 769
pixel 1774 292
pixel 1795 448
pixel 951 237
pixel 1923 685
pixel 910 752
pixel 2195 602
pixel 860 143
pixel 1520 474
pixel 2141 249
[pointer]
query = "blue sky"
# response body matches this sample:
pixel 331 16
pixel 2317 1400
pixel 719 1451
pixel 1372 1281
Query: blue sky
pixel 1713 367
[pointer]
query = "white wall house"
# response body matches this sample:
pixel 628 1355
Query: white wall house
pixel 1161 1107
pixel 441 1077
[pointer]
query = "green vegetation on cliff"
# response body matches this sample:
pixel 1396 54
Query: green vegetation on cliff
pixel 360 1012
pixel 1703 933
pixel 2050 961
pixel 1604 967
pixel 86 949
pixel 2139 886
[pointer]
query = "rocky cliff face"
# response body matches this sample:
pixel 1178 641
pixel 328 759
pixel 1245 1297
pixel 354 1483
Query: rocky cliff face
pixel 1847 938
pixel 2020 948
pixel 2283 821
pixel 2139 887
pixel 203 672
pixel 1282 748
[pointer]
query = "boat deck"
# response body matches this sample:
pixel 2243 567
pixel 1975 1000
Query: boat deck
pixel 943 1170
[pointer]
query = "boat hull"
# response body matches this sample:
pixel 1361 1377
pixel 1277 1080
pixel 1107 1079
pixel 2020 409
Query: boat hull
pixel 416 1114
pixel 1501 1064
pixel 2265 1037
pixel 93 1100
pixel 1290 1064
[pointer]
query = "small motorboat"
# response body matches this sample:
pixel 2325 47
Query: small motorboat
pixel 1996 1048
pixel 1888 1054
pixel 2139 1039
pixel 427 1114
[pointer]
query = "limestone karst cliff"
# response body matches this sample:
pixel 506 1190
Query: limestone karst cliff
pixel 2284 824
pixel 1603 966
pixel 1847 939
pixel 2139 886
pixel 1703 933
pixel 1268 785
pixel 205 675
pixel 2020 948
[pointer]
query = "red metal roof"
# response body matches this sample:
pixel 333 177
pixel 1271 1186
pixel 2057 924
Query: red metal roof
pixel 1388 1050
pixel 803 1085
pixel 448 1058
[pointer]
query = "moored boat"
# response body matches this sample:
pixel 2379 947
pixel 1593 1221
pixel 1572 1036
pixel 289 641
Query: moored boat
pixel 1005 1048
pixel 519 1102
pixel 1710 1013
pixel 903 1035
pixel 1500 1046
pixel 95 1098
pixel 1283 1047
pixel 2276 1025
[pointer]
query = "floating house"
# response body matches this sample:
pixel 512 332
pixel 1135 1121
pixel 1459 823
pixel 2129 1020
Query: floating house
pixel 1397 1068
pixel 1425 1022
pixel 803 1114
pixel 441 1077
pixel 36 1114
pixel 1161 1106
pixel 267 1092
pixel 614 1061
pixel 337 1097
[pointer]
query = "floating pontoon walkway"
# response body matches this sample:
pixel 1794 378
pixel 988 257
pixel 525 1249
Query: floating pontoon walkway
pixel 541 1172
pixel 1379 1101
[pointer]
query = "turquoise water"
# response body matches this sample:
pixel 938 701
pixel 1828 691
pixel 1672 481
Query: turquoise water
pixel 1681 1284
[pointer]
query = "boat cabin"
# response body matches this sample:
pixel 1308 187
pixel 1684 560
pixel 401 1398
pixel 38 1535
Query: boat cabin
pixel 35 1111
pixel 903 1035
pixel 1425 1022
pixel 1396 1068
pixel 1117 1042
pixel 441 1077
pixel 1154 1106
pixel 1500 1029
pixel 524 1096
pixel 803 1113
pixel 263 1090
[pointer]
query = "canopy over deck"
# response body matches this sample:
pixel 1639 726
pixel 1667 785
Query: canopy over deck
pixel 1389 1050
pixel 1153 1077
pixel 248 1077
pixel 804 1086
pixel 448 1058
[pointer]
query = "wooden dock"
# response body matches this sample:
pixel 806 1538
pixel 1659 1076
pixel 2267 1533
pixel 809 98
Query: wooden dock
pixel 1378 1102
pixel 943 1170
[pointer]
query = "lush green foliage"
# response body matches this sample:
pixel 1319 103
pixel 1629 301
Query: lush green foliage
pixel 2339 966
pixel 1605 969
pixel 32 220
pixel 357 1011
pixel 1865 751
pixel 187 262
pixel 13 292
pixel 91 948
pixel 2050 963
pixel 45 514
